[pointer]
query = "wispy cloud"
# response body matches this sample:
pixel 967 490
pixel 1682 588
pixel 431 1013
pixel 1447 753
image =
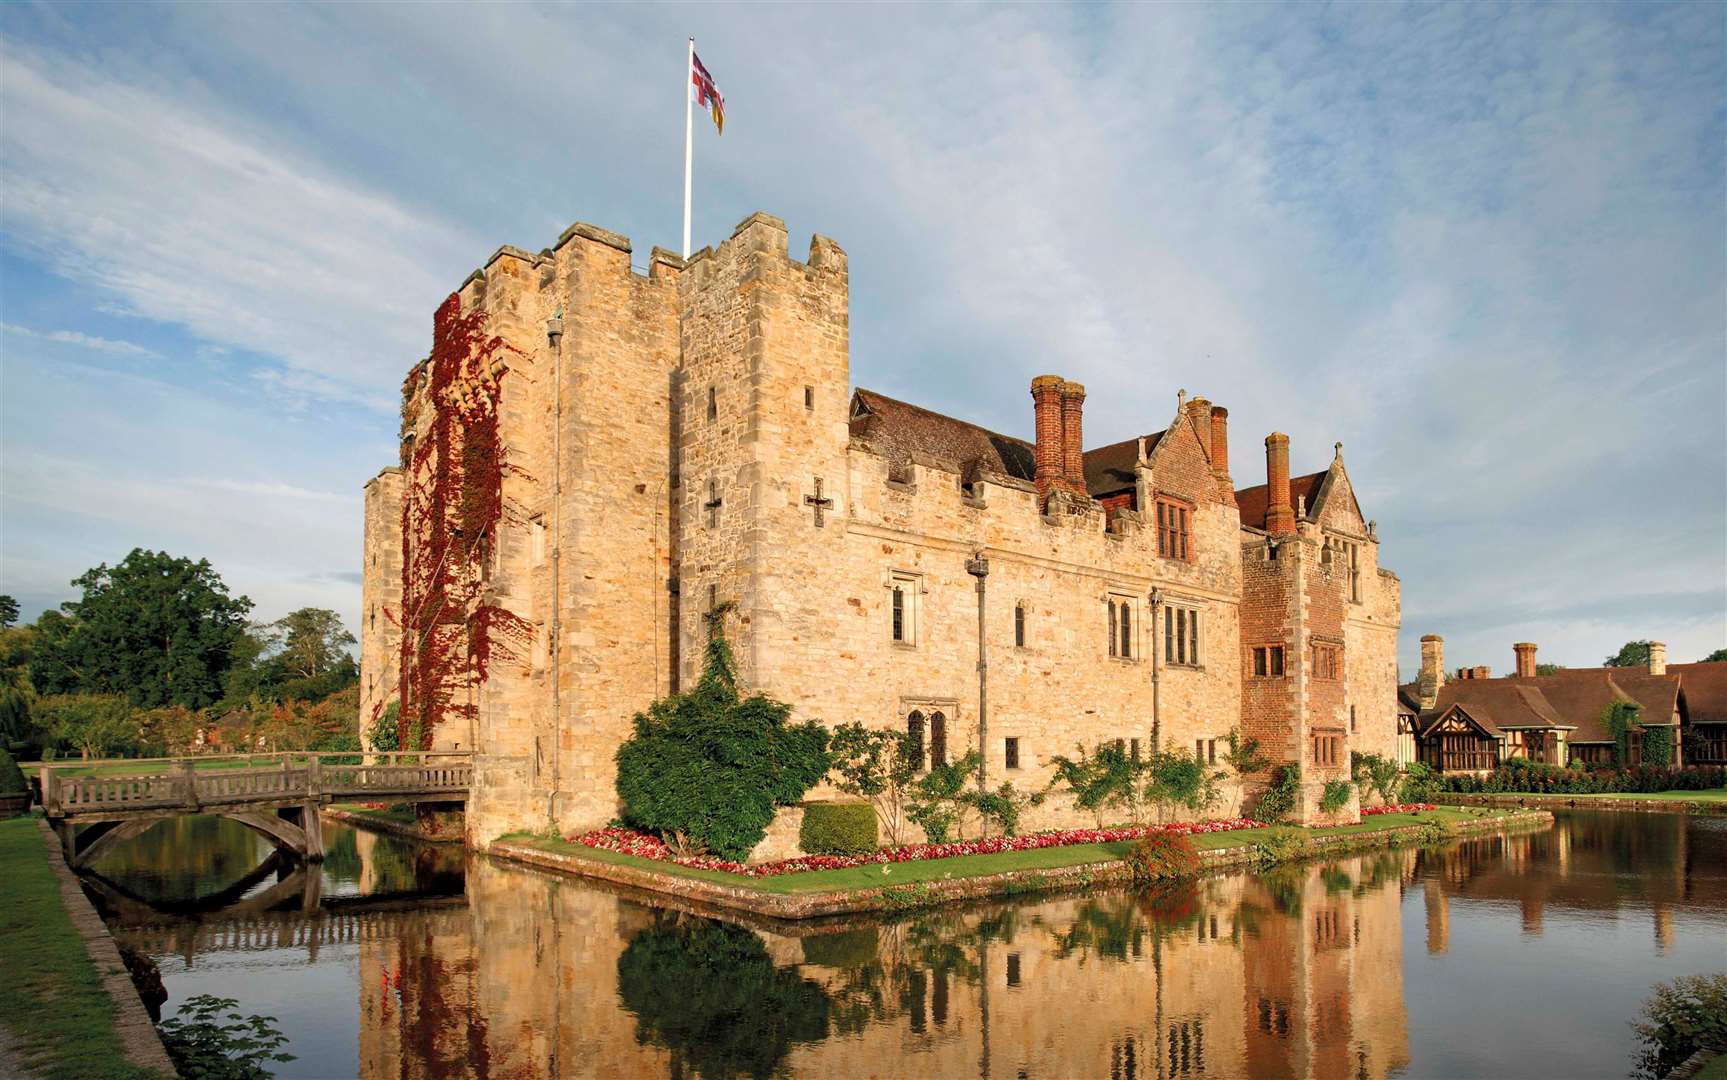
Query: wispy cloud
pixel 81 340
pixel 1480 245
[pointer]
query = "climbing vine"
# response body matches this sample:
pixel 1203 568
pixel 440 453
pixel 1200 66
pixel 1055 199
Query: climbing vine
pixel 453 502
pixel 1619 718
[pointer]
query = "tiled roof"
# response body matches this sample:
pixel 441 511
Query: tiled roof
pixel 1705 690
pixel 900 430
pixel 1110 469
pixel 1255 501
pixel 1571 697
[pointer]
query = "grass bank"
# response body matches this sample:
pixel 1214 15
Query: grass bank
pixel 877 886
pixel 52 999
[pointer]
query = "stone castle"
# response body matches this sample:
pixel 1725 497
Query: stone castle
pixel 617 454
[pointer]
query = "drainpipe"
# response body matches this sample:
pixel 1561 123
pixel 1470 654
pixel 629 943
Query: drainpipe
pixel 555 334
pixel 978 567
pixel 1156 599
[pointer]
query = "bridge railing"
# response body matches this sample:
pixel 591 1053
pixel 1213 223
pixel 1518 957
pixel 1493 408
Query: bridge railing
pixel 193 783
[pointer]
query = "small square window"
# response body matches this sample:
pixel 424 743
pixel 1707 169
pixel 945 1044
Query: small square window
pixel 1268 662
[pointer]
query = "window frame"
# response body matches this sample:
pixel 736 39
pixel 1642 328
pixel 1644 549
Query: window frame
pixel 1326 658
pixel 1122 625
pixel 1019 625
pixel 1172 517
pixel 1010 752
pixel 1182 641
pixel 904 590
pixel 1268 651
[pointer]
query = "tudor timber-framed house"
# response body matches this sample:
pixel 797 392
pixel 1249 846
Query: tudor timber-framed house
pixel 1471 722
pixel 689 437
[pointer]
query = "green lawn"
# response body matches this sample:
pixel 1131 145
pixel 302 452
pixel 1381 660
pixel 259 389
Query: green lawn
pixel 1716 1069
pixel 51 998
pixel 400 817
pixel 876 875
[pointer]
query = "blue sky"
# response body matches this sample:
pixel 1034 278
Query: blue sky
pixel 1485 247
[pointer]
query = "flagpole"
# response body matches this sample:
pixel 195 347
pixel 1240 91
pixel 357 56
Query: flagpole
pixel 689 140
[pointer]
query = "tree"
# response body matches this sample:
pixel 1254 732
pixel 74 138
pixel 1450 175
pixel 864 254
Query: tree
pixel 879 766
pixel 8 611
pixel 709 767
pixel 939 798
pixel 1549 669
pixel 1631 654
pixel 95 725
pixel 1108 778
pixel 312 642
pixel 160 630
pixel 1717 655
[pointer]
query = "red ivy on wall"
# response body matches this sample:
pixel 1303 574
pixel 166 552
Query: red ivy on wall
pixel 450 513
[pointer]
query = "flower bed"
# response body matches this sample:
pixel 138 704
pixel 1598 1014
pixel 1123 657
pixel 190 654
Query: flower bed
pixel 1401 808
pixel 643 846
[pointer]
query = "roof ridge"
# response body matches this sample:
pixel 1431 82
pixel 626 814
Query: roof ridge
pixel 942 416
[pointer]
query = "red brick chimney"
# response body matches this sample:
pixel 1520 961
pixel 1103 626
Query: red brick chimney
pixel 1048 452
pixel 1220 454
pixel 1279 514
pixel 1199 413
pixel 1525 651
pixel 1072 443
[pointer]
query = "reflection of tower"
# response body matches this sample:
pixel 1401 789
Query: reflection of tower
pixel 1438 919
pixel 1664 927
pixel 1531 904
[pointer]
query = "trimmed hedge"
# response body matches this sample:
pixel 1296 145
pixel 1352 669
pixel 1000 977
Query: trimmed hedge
pixel 835 828
pixel 1521 777
pixel 11 777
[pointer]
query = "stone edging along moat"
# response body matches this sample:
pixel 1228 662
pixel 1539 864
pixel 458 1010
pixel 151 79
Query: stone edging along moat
pixel 139 1038
pixel 928 893
pixel 1662 803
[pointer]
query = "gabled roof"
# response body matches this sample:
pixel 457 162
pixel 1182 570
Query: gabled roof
pixel 900 430
pixel 1497 705
pixel 1110 469
pixel 1255 501
pixel 1571 698
pixel 1705 690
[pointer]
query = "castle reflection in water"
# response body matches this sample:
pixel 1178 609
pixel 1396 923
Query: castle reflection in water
pixel 1294 972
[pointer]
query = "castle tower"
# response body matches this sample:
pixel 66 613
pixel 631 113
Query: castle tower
pixel 762 435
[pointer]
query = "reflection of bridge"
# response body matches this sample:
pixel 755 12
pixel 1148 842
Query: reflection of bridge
pixel 335 921
pixel 279 800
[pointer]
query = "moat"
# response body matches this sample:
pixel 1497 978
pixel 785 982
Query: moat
pixel 1506 956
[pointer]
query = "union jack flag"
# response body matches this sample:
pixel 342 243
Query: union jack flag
pixel 704 93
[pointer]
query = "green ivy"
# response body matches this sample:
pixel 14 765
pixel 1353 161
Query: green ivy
pixel 1619 718
pixel 1279 800
pixel 1658 746
pixel 1335 796
pixel 706 768
pixel 11 777
pixel 939 798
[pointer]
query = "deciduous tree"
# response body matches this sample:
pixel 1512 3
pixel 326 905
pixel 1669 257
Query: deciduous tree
pixel 157 629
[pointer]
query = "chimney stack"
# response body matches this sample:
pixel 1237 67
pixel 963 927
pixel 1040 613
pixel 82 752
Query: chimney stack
pixel 1199 412
pixel 1432 670
pixel 1525 651
pixel 1220 453
pixel 1279 515
pixel 1047 453
pixel 1072 441
pixel 1657 658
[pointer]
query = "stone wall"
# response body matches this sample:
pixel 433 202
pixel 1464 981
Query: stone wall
pixel 679 439
pixel 380 597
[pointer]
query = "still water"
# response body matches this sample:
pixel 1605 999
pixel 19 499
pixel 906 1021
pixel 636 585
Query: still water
pixel 1522 956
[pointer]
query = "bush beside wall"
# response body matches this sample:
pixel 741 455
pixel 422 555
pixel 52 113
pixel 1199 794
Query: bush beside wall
pixel 1520 776
pixel 832 828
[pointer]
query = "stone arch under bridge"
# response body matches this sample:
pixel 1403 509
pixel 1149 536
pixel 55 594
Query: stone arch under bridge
pixel 293 829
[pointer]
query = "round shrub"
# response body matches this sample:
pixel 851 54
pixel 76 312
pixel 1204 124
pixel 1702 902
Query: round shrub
pixel 838 828
pixel 1162 856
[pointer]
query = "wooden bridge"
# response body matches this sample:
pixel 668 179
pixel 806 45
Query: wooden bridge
pixel 93 812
